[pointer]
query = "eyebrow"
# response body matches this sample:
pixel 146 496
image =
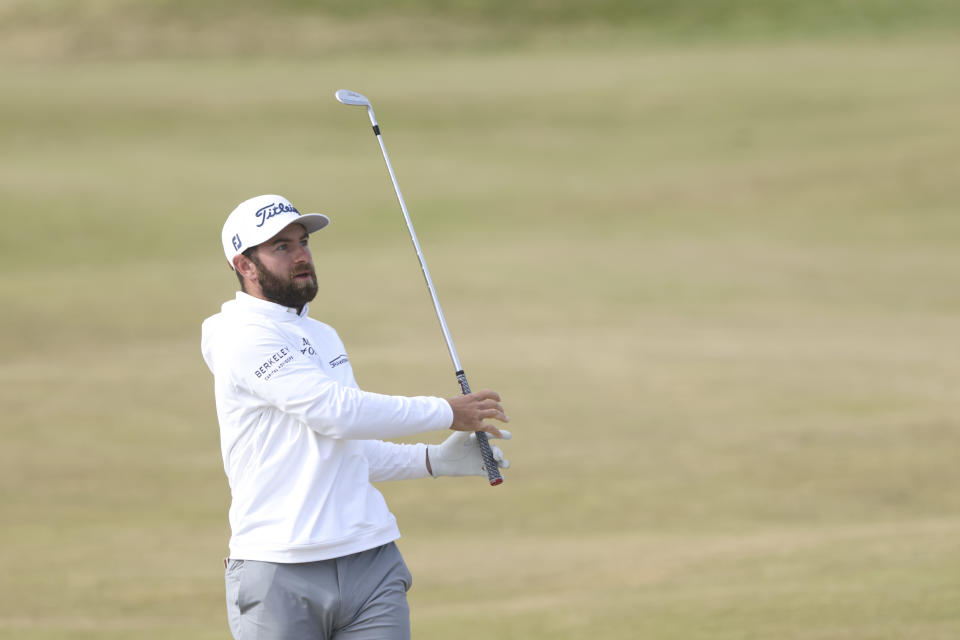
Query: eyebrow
pixel 278 240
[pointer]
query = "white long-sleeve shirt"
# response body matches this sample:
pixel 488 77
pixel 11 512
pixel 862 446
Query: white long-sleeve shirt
pixel 300 441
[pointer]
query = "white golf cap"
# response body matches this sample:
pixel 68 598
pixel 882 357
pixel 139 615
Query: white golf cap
pixel 258 219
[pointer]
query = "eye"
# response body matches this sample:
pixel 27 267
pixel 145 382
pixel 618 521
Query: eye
pixel 281 246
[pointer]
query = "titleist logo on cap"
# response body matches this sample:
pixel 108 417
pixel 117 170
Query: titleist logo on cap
pixel 272 209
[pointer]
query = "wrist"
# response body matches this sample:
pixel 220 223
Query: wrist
pixel 453 413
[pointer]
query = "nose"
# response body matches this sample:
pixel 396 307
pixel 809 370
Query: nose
pixel 302 255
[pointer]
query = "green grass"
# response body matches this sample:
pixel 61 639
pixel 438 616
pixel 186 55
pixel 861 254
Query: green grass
pixel 32 30
pixel 714 283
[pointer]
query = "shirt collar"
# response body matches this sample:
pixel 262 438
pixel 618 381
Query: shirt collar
pixel 249 302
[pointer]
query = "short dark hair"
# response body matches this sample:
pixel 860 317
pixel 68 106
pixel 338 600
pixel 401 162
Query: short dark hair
pixel 251 253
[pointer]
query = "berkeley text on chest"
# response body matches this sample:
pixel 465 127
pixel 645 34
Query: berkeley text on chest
pixel 273 364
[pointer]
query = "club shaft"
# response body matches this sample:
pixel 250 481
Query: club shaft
pixel 423 263
pixel 493 471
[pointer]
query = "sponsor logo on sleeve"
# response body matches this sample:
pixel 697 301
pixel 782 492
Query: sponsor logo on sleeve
pixel 274 364
pixel 339 360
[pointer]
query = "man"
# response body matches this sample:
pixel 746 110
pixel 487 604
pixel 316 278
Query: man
pixel 312 551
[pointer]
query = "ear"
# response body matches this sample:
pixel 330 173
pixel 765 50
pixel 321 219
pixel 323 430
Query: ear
pixel 245 267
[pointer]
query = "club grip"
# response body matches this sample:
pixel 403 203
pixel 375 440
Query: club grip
pixel 489 463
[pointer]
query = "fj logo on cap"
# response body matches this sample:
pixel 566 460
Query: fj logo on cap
pixel 272 209
pixel 236 242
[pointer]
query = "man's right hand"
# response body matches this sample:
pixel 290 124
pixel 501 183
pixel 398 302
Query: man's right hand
pixel 470 411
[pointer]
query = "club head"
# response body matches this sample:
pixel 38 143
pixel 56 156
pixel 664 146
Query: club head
pixel 352 97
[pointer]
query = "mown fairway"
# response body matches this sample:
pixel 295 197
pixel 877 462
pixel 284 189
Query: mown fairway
pixel 716 285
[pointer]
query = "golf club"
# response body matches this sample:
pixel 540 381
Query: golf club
pixel 356 99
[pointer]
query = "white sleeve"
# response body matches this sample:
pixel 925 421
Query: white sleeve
pixel 393 461
pixel 273 370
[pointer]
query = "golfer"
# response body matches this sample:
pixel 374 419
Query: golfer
pixel 312 552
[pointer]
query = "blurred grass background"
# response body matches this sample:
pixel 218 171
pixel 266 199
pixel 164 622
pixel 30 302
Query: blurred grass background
pixel 706 252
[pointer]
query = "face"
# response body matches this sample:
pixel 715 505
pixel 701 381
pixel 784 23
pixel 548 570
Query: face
pixel 284 268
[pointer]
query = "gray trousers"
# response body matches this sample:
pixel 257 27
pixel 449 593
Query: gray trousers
pixel 357 597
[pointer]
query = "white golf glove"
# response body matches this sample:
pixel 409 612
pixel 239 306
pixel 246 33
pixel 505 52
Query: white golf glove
pixel 459 455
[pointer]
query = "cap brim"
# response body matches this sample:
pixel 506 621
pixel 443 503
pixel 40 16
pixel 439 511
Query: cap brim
pixel 312 221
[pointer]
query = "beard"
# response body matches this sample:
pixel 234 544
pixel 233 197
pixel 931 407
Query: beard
pixel 289 291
